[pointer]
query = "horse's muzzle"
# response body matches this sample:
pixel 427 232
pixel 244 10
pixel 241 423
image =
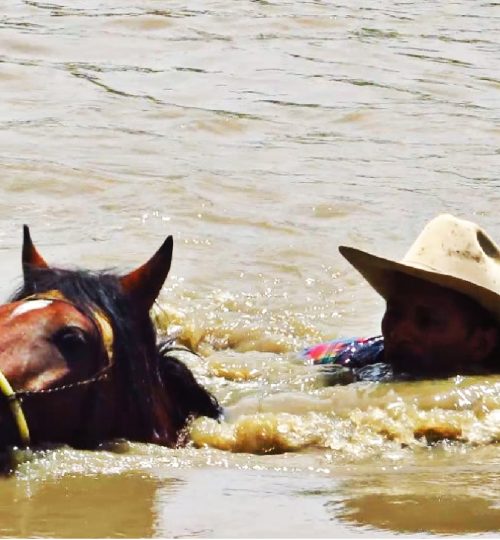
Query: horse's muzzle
pixel 9 432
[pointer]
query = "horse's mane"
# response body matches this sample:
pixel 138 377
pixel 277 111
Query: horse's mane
pixel 141 363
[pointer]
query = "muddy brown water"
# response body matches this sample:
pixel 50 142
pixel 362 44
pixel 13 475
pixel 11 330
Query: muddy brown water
pixel 260 134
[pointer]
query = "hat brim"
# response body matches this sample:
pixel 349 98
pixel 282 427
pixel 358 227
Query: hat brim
pixel 378 271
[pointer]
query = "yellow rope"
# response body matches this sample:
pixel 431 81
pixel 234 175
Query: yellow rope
pixel 15 407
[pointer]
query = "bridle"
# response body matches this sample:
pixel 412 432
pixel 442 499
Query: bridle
pixel 15 397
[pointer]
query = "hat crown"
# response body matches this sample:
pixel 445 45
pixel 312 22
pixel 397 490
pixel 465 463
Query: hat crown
pixel 458 248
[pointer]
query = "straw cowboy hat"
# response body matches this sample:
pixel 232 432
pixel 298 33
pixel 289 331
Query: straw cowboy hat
pixel 450 252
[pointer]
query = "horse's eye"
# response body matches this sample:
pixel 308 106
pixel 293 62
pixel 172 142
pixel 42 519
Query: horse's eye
pixel 71 341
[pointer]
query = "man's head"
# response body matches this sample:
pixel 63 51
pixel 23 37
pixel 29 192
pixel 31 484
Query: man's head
pixel 443 299
pixel 432 331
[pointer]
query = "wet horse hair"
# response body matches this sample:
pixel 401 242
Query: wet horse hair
pixel 141 361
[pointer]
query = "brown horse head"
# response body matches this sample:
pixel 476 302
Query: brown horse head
pixel 79 363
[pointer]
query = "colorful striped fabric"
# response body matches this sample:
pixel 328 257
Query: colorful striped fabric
pixel 351 352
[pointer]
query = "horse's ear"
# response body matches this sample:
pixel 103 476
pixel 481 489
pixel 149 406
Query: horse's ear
pixel 31 258
pixel 144 284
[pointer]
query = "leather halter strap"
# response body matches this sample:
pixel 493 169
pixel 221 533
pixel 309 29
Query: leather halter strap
pixel 14 397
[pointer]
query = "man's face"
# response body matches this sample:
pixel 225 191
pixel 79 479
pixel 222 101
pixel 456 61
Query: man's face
pixel 426 330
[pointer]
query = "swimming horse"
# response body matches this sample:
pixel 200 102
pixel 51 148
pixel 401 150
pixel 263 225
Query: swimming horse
pixel 79 361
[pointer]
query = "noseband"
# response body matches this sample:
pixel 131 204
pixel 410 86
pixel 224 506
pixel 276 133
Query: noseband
pixel 14 397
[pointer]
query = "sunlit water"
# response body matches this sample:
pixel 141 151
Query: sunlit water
pixel 260 134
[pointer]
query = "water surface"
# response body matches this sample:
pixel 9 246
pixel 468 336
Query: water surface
pixel 260 134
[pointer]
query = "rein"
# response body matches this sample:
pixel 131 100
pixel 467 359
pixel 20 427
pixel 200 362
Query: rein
pixel 14 397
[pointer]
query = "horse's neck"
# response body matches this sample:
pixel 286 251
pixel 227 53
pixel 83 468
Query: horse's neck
pixel 145 413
